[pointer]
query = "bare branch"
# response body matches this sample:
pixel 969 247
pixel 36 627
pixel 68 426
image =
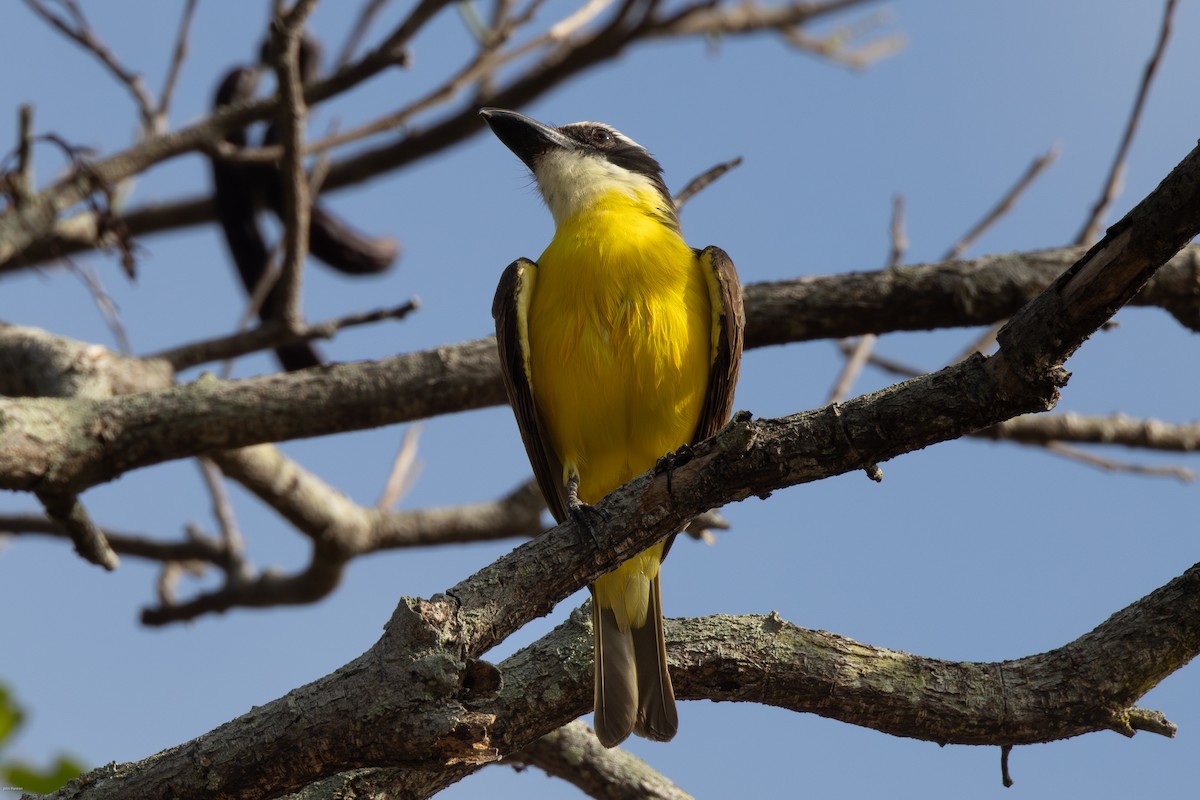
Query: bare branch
pixel 36 222
pixel 836 46
pixel 861 353
pixel 35 363
pixel 1005 204
pixel 286 35
pixel 457 713
pixel 1148 434
pixel 178 55
pixel 268 336
pixel 1181 474
pixel 79 31
pixel 35 236
pixel 404 470
pixel 69 514
pixel 359 30
pixel 703 180
pixel 104 303
pixel 197 547
pixel 984 342
pixel 232 543
pixel 340 530
pixel 19 183
pixel 1112 187
pixel 573 754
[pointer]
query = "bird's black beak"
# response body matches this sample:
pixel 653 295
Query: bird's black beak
pixel 527 138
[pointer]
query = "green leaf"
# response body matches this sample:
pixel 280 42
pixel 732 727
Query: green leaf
pixel 10 715
pixel 31 780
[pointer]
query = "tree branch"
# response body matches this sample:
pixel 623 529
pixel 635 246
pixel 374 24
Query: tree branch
pixel 340 530
pixel 1095 220
pixel 420 698
pixel 1149 434
pixel 573 754
pixel 36 235
pixel 78 30
pixel 208 415
pixel 417 703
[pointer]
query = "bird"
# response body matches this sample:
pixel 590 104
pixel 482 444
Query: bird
pixel 619 347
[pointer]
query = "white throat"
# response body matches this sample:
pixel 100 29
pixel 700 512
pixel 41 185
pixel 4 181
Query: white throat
pixel 572 182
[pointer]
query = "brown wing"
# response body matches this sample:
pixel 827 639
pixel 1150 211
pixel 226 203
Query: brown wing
pixel 729 321
pixel 510 309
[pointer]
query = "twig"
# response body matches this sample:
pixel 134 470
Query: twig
pixel 897 233
pixel 862 350
pixel 22 181
pixel 178 54
pixel 103 300
pixel 1112 187
pixel 883 363
pixel 835 46
pixel 197 547
pixel 79 31
pixel 1151 721
pixel 490 59
pixel 987 339
pixel 110 229
pixel 404 469
pixel 268 336
pixel 703 180
pixel 1117 429
pixel 981 344
pixel 287 30
pixel 573 754
pixel 69 514
pixel 359 30
pixel 859 354
pixel 1181 474
pixel 1006 203
pixel 340 530
pixel 1050 431
pixel 1005 777
pixel 232 541
pixel 36 235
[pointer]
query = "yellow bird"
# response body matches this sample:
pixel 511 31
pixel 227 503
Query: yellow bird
pixel 620 345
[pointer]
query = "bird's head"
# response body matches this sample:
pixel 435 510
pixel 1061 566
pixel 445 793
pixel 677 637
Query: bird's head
pixel 578 164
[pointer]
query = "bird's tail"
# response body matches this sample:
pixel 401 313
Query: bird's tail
pixel 633 689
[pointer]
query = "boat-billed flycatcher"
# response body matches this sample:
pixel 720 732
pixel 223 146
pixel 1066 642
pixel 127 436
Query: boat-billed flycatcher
pixel 620 345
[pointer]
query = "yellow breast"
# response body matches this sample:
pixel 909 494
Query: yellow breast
pixel 620 342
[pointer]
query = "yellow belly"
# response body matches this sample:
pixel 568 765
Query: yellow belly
pixel 620 347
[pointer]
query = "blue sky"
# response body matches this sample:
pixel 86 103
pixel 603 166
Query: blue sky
pixel 967 550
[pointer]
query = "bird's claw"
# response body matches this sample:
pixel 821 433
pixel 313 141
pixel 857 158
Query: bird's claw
pixel 583 513
pixel 671 461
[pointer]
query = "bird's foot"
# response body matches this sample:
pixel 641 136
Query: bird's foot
pixel 671 461
pixel 583 514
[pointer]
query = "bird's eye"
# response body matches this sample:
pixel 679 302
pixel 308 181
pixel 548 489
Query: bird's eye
pixel 602 137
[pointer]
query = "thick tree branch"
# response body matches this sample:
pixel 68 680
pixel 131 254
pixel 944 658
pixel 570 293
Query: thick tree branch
pixel 416 702
pixel 208 415
pixel 430 648
pixel 757 457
